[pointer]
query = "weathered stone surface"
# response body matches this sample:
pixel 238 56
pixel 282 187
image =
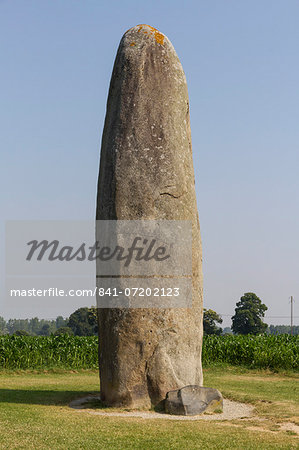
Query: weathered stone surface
pixel 146 172
pixel 193 400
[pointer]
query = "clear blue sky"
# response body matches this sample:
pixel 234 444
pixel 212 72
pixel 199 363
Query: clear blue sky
pixel 242 68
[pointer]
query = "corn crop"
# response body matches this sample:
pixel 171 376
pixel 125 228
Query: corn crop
pixel 77 352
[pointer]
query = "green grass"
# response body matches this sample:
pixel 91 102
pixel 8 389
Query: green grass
pixel 34 414
pixel 275 395
pixel 75 352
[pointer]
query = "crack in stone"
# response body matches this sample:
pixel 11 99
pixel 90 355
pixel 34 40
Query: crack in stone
pixel 171 195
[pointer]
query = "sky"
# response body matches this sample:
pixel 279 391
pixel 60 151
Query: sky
pixel 242 68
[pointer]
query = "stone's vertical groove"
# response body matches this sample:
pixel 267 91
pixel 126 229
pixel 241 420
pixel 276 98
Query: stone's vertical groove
pixel 146 172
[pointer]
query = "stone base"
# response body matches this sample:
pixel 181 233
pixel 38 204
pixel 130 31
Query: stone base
pixel 193 400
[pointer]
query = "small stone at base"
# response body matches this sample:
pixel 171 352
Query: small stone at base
pixel 192 400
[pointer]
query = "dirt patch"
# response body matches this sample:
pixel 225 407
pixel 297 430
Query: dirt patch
pixel 289 426
pixel 231 410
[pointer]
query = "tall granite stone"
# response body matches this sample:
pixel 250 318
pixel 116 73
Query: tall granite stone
pixel 146 172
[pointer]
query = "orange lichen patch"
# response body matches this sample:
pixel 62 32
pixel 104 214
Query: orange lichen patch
pixel 132 44
pixel 157 35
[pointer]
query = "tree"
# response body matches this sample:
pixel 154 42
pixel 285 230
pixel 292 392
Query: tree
pixel 210 318
pixel 60 322
pixel 248 315
pixel 282 329
pixel 64 330
pixel 45 330
pixel 227 330
pixel 21 333
pixel 83 321
pixel 34 325
pixel 3 329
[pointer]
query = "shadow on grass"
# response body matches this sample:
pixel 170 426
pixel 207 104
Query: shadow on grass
pixel 41 397
pixel 77 399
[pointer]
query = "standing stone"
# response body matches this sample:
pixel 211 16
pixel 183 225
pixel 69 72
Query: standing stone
pixel 146 172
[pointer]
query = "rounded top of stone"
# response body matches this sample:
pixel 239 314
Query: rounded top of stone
pixel 148 31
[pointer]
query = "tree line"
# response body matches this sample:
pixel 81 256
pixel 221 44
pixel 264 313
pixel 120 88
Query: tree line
pixel 248 319
pixel 82 322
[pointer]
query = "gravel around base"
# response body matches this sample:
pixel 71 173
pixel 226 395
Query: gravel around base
pixel 231 410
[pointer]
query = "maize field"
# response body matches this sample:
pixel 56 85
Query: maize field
pixel 258 352
pixel 76 352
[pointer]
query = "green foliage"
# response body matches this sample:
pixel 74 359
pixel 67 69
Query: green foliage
pixel 83 322
pixel 210 318
pixel 3 329
pixel 60 322
pixel 282 329
pixel 21 333
pixel 227 330
pixel 32 326
pixel 248 315
pixel 64 330
pixel 264 351
pixel 76 352
pixel 45 330
pixel 36 352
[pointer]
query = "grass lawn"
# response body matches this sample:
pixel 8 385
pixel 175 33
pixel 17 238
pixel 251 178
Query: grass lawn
pixel 34 414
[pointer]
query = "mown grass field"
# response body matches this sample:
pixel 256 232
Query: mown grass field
pixel 34 414
pixel 39 376
pixel 75 352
